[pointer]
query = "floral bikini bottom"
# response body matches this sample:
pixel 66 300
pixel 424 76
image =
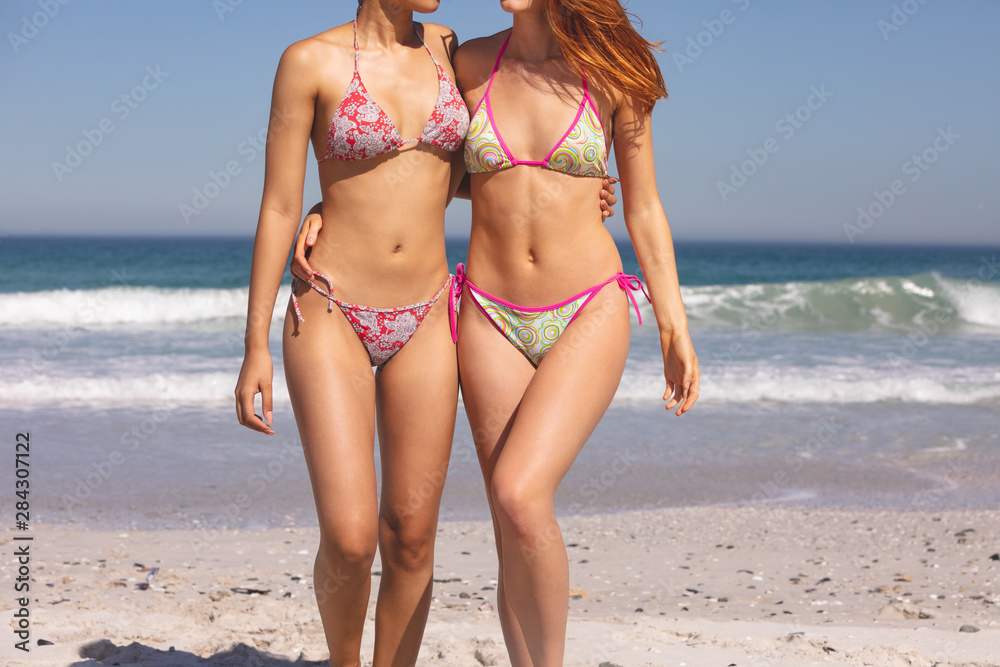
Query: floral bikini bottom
pixel 383 331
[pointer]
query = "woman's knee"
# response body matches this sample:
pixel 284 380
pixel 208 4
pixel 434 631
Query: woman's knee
pixel 351 545
pixel 407 541
pixel 521 506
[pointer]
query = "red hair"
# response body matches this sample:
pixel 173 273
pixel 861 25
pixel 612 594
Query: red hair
pixel 598 35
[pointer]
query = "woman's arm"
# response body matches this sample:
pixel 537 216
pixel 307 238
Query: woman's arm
pixel 306 240
pixel 650 233
pixel 291 120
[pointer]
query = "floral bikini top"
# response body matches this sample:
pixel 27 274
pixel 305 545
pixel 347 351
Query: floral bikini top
pixel 581 152
pixel 362 130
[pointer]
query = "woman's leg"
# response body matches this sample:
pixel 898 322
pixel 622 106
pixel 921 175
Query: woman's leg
pixel 562 404
pixel 494 377
pixel 332 390
pixel 416 397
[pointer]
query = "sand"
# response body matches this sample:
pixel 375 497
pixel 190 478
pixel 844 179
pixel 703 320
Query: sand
pixel 721 586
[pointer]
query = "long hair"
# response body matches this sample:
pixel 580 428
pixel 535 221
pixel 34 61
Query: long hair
pixel 599 36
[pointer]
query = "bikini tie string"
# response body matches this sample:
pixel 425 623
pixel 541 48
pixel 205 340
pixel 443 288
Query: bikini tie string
pixel 328 295
pixel 629 285
pixel 457 285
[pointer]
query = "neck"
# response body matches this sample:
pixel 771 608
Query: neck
pixel 381 24
pixel 532 39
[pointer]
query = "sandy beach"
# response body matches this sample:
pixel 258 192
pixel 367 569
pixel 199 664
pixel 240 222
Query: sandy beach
pixel 722 586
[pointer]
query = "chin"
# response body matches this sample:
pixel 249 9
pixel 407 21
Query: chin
pixel 517 6
pixel 423 6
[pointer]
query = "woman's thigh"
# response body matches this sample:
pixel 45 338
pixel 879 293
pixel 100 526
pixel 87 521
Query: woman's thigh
pixel 332 389
pixel 494 376
pixel 416 399
pixel 566 398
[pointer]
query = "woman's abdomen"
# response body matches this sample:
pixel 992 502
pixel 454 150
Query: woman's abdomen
pixel 539 236
pixel 382 242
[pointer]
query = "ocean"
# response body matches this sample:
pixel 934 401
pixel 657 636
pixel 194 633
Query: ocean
pixel 833 375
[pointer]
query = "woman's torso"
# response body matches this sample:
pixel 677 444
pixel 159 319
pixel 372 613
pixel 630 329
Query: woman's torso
pixel 537 234
pixel 382 242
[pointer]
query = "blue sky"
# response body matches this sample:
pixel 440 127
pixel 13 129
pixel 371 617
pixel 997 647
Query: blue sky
pixel 785 117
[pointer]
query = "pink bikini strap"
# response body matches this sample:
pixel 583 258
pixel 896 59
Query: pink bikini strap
pixel 627 283
pixel 630 284
pixel 496 66
pixel 586 94
pixel 457 285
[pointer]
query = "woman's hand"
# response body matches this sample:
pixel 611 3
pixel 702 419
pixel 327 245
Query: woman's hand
pixel 303 244
pixel 608 199
pixel 680 368
pixel 255 378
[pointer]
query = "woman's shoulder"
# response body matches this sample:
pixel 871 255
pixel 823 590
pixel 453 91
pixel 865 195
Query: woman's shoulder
pixel 320 49
pixel 438 30
pixel 433 32
pixel 484 47
pixel 476 57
